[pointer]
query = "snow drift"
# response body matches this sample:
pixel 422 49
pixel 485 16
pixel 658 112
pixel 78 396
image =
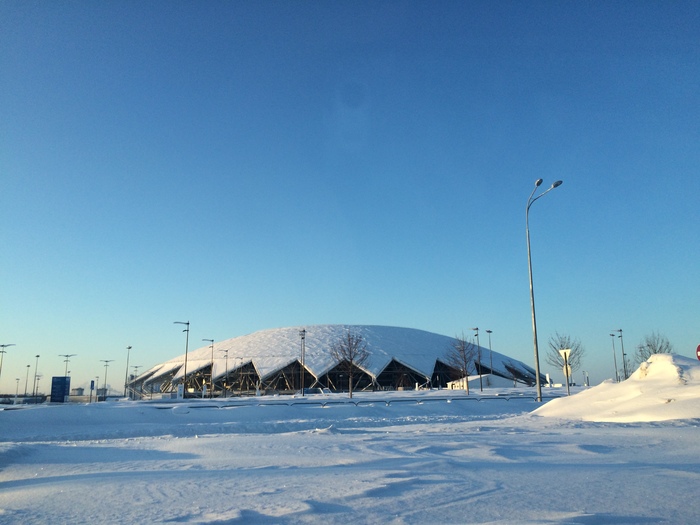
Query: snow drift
pixel 665 387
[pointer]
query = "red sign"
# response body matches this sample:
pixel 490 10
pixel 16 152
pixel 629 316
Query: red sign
pixel 698 352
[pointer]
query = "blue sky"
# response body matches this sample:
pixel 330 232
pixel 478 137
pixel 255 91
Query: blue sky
pixel 251 165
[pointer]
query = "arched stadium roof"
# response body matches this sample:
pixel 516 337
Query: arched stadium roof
pixel 270 351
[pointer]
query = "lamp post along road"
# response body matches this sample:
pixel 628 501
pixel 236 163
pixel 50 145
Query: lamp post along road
pixel 211 375
pixel 126 374
pixel 302 334
pixel 26 381
pixel 226 371
pixel 2 354
pixel 106 362
pixel 66 360
pixel 490 351
pixel 617 374
pixel 478 350
pixel 36 368
pixel 530 201
pixel 187 344
pixel 624 360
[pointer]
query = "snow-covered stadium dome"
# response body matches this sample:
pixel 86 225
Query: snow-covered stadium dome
pixel 271 361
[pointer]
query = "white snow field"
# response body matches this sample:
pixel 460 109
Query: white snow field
pixel 625 453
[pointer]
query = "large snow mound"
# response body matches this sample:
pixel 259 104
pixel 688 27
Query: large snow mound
pixel 667 386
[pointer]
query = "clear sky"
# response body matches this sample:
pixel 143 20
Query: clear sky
pixel 250 165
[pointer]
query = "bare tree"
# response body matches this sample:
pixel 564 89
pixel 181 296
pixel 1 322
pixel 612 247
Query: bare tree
pixel 350 354
pixel 563 342
pixel 654 343
pixel 460 356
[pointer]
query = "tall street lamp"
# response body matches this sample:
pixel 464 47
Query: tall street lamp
pixel 302 334
pixel 66 360
pixel 226 370
pixel 617 374
pixel 126 374
pixel 624 357
pixel 187 343
pixel 478 349
pixel 530 201
pixel 133 377
pixel 26 381
pixel 490 351
pixel 36 367
pixel 2 354
pixel 106 362
pixel 211 376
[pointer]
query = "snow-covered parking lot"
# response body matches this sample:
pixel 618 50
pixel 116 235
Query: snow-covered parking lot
pixel 421 458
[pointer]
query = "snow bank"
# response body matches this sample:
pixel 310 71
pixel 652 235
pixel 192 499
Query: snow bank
pixel 665 387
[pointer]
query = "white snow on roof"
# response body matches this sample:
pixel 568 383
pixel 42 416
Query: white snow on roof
pixel 273 349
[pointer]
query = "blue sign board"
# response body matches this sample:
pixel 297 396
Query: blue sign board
pixel 60 389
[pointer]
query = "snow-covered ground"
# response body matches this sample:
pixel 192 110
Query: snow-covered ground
pixel 405 457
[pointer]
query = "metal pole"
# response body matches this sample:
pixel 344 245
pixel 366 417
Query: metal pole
pixel 211 375
pixel 36 367
pixel 226 382
pixel 66 360
pixel 530 201
pixel 478 349
pixel 624 361
pixel 490 351
pixel 106 362
pixel 26 381
pixel 302 333
pixel 126 374
pixel 617 374
pixel 187 343
pixel 2 354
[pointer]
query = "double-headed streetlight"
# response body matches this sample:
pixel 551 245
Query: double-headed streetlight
pixel 478 349
pixel 211 376
pixel 617 374
pixel 106 362
pixel 302 334
pixel 530 201
pixel 66 360
pixel 187 344
pixel 2 354
pixel 126 374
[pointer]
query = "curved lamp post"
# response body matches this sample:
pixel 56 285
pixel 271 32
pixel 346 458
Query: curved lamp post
pixel 530 201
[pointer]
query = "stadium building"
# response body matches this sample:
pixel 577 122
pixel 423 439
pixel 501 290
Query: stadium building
pixel 270 361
